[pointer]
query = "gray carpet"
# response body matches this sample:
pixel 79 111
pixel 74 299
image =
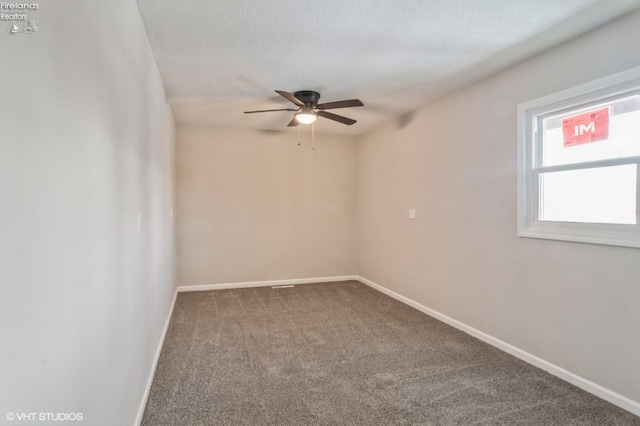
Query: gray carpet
pixel 345 354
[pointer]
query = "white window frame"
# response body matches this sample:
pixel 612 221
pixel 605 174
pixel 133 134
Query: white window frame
pixel 530 115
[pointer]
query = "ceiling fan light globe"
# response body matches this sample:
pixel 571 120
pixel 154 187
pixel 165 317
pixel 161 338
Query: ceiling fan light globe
pixel 306 117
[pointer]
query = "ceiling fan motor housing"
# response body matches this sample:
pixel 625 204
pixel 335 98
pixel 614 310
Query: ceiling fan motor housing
pixel 309 109
pixel 309 97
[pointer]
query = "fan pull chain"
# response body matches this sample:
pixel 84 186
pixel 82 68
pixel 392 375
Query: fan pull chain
pixel 298 135
pixel 313 136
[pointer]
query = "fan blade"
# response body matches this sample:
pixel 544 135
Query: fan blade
pixel 269 110
pixel 288 96
pixel 335 117
pixel 293 123
pixel 341 104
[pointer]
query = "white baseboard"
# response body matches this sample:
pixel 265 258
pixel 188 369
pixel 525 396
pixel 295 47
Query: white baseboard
pixel 587 385
pixel 145 397
pixel 247 284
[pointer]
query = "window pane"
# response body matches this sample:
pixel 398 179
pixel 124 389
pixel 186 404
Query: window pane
pixel 598 195
pixel 622 140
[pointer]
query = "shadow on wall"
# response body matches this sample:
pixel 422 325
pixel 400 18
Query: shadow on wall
pixel 405 119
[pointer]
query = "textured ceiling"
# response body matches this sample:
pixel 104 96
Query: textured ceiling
pixel 220 58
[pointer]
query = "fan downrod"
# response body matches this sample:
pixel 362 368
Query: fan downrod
pixel 309 97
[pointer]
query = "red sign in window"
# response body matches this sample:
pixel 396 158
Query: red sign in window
pixel 592 126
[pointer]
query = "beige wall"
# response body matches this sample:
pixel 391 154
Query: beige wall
pixel 574 305
pixel 86 148
pixel 255 206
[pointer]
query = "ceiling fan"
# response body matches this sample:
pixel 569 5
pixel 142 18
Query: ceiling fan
pixel 309 109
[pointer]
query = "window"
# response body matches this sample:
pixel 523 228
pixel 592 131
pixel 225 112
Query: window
pixel 579 163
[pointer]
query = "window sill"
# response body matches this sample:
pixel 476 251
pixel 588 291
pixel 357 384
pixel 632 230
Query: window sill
pixel 612 235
